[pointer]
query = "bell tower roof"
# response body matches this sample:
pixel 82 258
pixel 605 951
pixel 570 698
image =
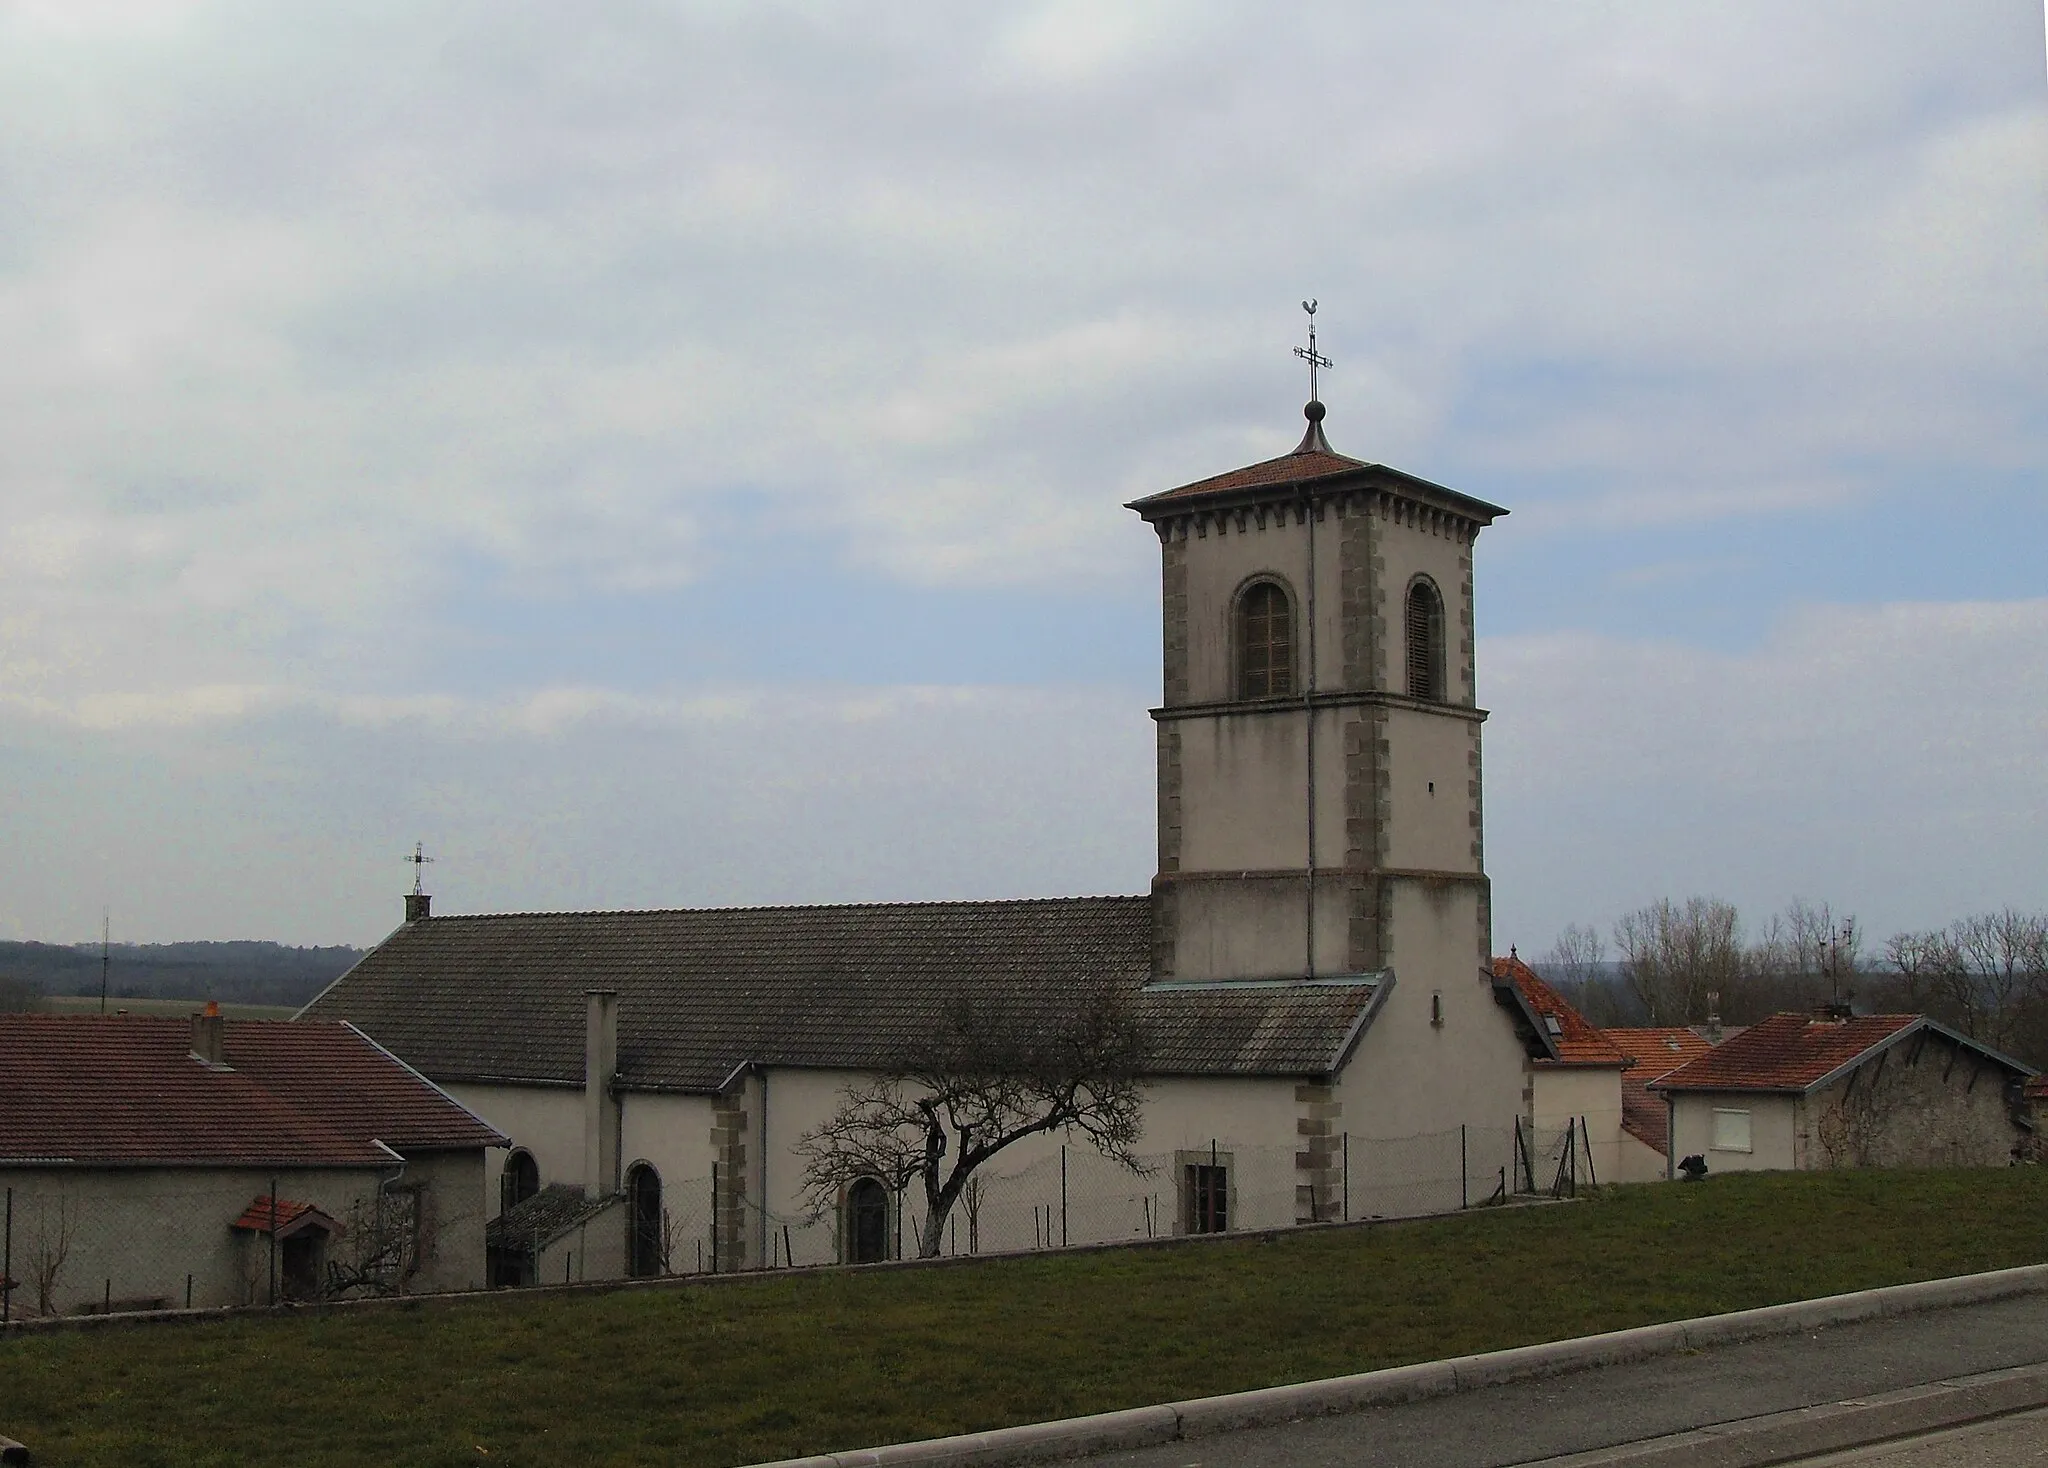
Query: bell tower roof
pixel 1311 462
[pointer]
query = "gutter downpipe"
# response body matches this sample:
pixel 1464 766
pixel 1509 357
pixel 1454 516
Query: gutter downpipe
pixel 1670 1137
pixel 1308 713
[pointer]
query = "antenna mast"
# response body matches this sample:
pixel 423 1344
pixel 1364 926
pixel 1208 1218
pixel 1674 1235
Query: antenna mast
pixel 104 920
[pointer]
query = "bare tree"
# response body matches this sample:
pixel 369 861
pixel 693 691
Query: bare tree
pixel 49 1248
pixel 1672 957
pixel 1986 974
pixel 1801 957
pixel 1577 966
pixel 988 1076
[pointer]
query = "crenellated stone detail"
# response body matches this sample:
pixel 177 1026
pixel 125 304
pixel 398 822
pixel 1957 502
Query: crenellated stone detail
pixel 1476 787
pixel 1173 619
pixel 1169 794
pixel 1318 1163
pixel 1468 669
pixel 729 1146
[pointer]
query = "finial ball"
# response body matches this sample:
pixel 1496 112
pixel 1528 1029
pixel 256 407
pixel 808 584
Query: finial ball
pixel 1314 411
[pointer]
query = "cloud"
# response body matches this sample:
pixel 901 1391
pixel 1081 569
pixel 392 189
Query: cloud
pixel 1886 759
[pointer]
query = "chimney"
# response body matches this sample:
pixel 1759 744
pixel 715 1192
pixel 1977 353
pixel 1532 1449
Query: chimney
pixel 207 1035
pixel 1713 1035
pixel 416 905
pixel 600 1106
pixel 1834 1012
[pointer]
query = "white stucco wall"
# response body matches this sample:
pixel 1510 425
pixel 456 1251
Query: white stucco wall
pixel 1639 1162
pixel 137 1233
pixel 1772 1131
pixel 1564 1094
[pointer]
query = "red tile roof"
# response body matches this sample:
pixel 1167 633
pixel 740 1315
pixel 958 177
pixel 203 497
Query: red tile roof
pixel 1655 1052
pixel 1295 468
pixel 126 1089
pixel 1788 1052
pixel 1575 1041
pixel 292 1217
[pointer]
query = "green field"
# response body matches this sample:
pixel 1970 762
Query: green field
pixel 773 1365
pixel 90 1004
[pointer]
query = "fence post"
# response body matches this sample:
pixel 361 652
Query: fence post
pixel 273 1241
pixel 1063 1195
pixel 7 1265
pixel 1464 1188
pixel 714 1218
pixel 1592 1173
pixel 1347 1177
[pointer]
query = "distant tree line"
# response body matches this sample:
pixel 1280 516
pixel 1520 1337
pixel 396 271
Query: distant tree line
pixel 238 972
pixel 1675 963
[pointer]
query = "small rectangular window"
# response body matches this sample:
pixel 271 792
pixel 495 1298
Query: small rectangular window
pixel 1731 1131
pixel 1208 1198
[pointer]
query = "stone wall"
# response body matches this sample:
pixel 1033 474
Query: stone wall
pixel 1925 1102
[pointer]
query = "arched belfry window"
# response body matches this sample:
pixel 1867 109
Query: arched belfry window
pixel 1424 630
pixel 1265 641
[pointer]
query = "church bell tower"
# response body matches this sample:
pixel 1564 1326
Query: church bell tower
pixel 1318 740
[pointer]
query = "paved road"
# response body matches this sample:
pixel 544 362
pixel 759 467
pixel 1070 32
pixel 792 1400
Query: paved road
pixel 2010 1442
pixel 1528 1421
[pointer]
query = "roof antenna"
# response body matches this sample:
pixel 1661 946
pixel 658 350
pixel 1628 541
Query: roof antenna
pixel 1313 442
pixel 104 920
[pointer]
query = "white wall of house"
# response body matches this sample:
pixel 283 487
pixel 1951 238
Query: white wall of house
pixel 1562 1095
pixel 544 1120
pixel 135 1234
pixel 1771 1123
pixel 1639 1162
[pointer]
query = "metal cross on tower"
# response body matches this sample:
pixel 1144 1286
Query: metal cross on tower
pixel 1309 354
pixel 419 860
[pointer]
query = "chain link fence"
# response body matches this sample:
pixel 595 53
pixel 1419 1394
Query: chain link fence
pixel 69 1251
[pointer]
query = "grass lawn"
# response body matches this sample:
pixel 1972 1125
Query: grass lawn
pixel 781 1365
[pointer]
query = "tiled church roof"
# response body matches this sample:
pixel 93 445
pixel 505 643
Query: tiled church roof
pixel 705 991
pixel 1569 1037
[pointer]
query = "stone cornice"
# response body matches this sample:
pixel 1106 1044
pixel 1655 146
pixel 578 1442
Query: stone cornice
pixel 1323 873
pixel 1333 698
pixel 1371 489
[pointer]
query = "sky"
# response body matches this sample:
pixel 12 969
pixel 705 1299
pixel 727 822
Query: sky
pixel 670 455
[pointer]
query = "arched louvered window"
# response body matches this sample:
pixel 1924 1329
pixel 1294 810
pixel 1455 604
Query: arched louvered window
pixel 1265 642
pixel 1424 630
pixel 867 1222
pixel 520 1180
pixel 646 1255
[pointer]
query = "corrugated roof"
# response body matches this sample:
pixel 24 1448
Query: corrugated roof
pixel 1569 1038
pixel 1797 1052
pixel 126 1089
pixel 704 991
pixel 534 1223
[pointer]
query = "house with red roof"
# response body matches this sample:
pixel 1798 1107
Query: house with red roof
pixel 1572 1078
pixel 1652 1051
pixel 153 1162
pixel 1836 1089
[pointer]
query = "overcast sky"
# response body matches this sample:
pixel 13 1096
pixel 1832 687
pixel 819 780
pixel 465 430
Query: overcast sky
pixel 667 455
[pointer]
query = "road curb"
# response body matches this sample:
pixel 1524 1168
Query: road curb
pixel 1782 1437
pixel 1139 1427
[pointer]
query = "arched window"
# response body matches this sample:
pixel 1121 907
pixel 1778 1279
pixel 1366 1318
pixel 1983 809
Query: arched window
pixel 1424 627
pixel 867 1222
pixel 1265 642
pixel 643 1211
pixel 519 1181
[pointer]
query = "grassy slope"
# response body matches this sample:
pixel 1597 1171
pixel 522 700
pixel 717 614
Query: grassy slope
pixel 784 1365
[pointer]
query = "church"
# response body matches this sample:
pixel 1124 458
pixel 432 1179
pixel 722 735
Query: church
pixel 1325 1035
